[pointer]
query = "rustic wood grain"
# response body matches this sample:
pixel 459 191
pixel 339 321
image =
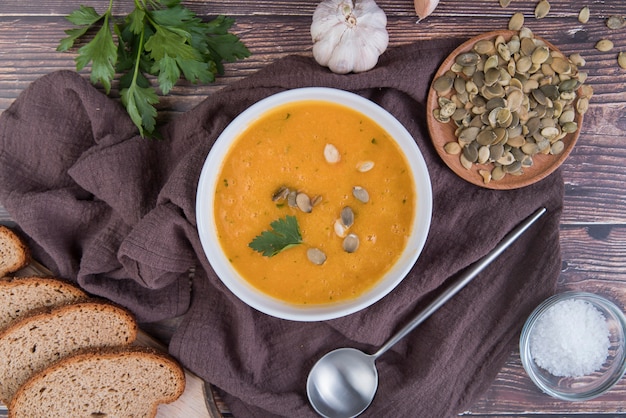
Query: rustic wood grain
pixel 593 229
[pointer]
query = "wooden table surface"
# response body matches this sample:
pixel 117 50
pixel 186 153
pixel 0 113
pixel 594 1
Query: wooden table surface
pixel 593 229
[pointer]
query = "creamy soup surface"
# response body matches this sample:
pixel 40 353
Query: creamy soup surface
pixel 285 148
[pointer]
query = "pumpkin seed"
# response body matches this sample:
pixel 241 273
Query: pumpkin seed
pixel 486 175
pixel 542 9
pixel 470 152
pixel 446 107
pixel 577 60
pixel 304 203
pixel 507 158
pixel 523 64
pixel 604 45
pixel 550 132
pixel 280 194
pixel 517 21
pixel 583 15
pixel 467 164
pixel 557 148
pixel 586 90
pixel 443 85
pixel 468 135
pixel 483 154
pixel 505 3
pixel 615 22
pixel 497 173
pixel 568 86
pixel 347 216
pixel 540 55
pixel 484 47
pixel 582 105
pixel 365 166
pixel 316 256
pixel 316 200
pixel 360 194
pixel 452 148
pixel 567 115
pixel 291 199
pixel 459 85
pixel 621 60
pixel 331 154
pixel 467 59
pixel 561 65
pixel 512 168
pixel 530 148
pixel 340 228
pixel 350 243
pixel 496 152
pixel 569 127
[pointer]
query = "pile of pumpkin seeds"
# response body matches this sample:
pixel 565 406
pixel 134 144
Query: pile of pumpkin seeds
pixel 510 99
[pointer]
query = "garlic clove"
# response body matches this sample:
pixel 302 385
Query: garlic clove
pixel 424 8
pixel 324 48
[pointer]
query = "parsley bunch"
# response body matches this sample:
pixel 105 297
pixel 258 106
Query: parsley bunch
pixel 159 38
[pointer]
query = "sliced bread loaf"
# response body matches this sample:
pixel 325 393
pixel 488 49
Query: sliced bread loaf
pixel 14 253
pixel 20 295
pixel 30 344
pixel 120 382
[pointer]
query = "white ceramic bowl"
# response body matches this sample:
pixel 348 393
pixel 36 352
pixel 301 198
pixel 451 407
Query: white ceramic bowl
pixel 272 306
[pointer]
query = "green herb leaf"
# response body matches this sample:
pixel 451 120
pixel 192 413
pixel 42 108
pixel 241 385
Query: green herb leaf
pixel 159 38
pixel 139 103
pixel 102 53
pixel 285 233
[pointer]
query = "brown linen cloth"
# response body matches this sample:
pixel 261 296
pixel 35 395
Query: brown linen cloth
pixel 116 213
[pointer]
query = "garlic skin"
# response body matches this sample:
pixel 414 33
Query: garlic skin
pixel 423 8
pixel 349 35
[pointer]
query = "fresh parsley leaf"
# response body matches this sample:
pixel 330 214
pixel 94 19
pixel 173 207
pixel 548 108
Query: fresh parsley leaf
pixel 100 51
pixel 159 39
pixel 285 233
pixel 84 15
pixel 139 103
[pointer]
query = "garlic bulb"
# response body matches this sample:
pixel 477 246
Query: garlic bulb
pixel 349 35
pixel 424 8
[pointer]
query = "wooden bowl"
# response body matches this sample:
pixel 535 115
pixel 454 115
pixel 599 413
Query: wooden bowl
pixel 442 133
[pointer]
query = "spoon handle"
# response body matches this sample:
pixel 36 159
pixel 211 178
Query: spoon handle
pixel 464 279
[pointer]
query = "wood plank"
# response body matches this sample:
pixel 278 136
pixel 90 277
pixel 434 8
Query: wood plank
pixel 445 8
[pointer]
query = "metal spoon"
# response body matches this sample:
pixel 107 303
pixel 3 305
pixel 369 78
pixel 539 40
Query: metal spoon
pixel 342 384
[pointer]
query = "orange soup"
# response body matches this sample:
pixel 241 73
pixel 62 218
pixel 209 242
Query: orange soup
pixel 290 147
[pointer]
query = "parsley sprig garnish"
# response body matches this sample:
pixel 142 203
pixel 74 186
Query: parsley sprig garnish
pixel 285 233
pixel 159 38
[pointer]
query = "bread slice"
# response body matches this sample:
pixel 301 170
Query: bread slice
pixel 14 254
pixel 120 382
pixel 20 295
pixel 30 344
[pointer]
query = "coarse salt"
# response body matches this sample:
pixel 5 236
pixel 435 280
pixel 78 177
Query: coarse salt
pixel 570 339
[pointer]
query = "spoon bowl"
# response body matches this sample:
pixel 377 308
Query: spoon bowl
pixel 342 384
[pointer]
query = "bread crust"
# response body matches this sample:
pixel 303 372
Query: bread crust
pixel 46 291
pixel 14 253
pixel 92 358
pixel 29 354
